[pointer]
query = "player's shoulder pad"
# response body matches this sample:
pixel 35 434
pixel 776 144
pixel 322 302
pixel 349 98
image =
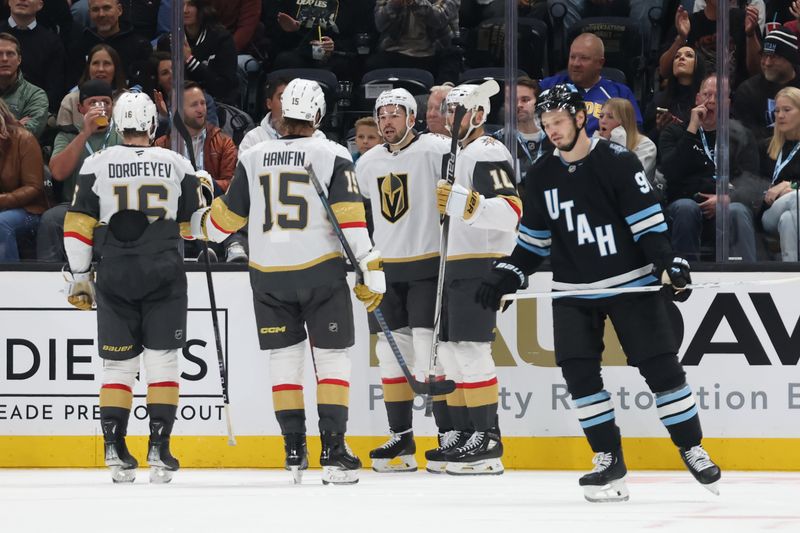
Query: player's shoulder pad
pixel 371 155
pixel 338 149
pixel 488 148
pixel 606 149
pixel 180 162
pixel 435 142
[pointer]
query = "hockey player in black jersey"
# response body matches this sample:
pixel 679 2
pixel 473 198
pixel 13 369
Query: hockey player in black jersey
pixel 590 209
pixel 132 204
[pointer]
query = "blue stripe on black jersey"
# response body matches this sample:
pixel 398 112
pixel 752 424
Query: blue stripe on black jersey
pixel 536 241
pixel 646 221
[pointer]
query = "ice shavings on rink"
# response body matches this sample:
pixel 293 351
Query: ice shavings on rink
pixel 233 501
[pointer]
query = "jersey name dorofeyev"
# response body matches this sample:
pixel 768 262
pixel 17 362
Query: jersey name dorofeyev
pixel 140 169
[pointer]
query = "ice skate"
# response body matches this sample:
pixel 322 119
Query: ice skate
pixel 448 441
pixel 702 467
pixel 296 455
pixel 162 464
pixel 117 457
pixel 397 454
pixel 339 465
pixel 606 482
pixel 480 455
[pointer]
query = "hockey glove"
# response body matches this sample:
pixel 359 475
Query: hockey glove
pixel 197 224
pixel 457 201
pixel 677 274
pixel 370 290
pixel 206 187
pixel 504 278
pixel 80 289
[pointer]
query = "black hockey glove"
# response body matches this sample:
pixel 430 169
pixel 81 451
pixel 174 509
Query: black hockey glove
pixel 675 276
pixel 504 278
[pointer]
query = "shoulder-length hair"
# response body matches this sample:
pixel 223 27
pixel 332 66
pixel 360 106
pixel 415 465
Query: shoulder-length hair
pixel 119 83
pixel 778 138
pixel 7 120
pixel 623 111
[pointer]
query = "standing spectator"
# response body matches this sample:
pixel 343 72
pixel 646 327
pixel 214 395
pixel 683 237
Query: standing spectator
pixel 618 124
pixel 367 136
pixel 699 30
pixel 754 100
pixel 26 101
pixel 108 29
pixel 780 201
pixel 72 146
pixel 103 63
pixel 141 14
pixel 690 170
pixel 216 154
pixel 42 51
pixel 586 60
pixel 675 101
pixel 415 33
pixel 435 112
pixel 54 16
pixel 22 198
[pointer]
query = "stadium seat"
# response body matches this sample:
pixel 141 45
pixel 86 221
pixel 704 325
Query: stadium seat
pixel 416 81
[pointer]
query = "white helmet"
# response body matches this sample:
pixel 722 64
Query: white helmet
pixel 303 100
pixel 398 97
pixel 457 96
pixel 137 112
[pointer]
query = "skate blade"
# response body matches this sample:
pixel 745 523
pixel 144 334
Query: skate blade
pixel 297 474
pixel 160 475
pixel 122 475
pixel 436 467
pixel 487 467
pixel 336 475
pixel 401 463
pixel 712 487
pixel 615 491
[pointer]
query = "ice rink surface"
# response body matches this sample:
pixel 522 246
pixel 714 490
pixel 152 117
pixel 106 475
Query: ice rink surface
pixel 228 501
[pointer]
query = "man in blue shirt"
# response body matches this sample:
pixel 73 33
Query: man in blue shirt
pixel 586 59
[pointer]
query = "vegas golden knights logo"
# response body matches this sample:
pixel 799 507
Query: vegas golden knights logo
pixel 394 196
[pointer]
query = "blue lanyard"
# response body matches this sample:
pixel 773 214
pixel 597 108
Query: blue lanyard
pixel 709 153
pixel 105 140
pixel 780 164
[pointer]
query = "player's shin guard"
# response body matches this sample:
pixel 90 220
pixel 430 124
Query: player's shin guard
pixel 593 404
pixel 333 389
pixel 286 373
pixel 422 338
pixel 116 398
pixel 397 394
pixel 161 367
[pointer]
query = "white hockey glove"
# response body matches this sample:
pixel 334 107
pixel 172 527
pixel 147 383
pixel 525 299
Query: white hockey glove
pixel 370 290
pixel 80 289
pixel 197 224
pixel 206 187
pixel 458 201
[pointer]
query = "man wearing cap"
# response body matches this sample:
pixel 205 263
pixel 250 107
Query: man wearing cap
pixel 72 145
pixel 754 100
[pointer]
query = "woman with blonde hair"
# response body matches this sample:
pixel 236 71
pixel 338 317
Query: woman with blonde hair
pixel 780 200
pixel 618 124
pixel 22 198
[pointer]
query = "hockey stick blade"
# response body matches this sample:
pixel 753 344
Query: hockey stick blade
pixel 442 387
pixel 646 288
pixel 486 89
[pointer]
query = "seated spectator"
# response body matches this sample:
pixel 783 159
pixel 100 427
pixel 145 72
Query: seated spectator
pixel 240 18
pixel 22 199
pixel 780 202
pixel 318 34
pixel 367 136
pixel 72 146
pixel 754 100
pixel 689 167
pixel 216 154
pixel 26 101
pixel 108 29
pixel 618 124
pixel 42 51
pixel 531 140
pixel 142 15
pixel 415 34
pixel 586 60
pixel 163 92
pixel 699 30
pixel 103 64
pixel 54 16
pixel 675 101
pixel 435 112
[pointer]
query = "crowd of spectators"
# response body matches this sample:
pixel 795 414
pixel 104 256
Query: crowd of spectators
pixel 63 63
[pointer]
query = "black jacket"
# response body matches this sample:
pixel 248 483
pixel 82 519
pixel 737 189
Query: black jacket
pixel 132 48
pixel 213 63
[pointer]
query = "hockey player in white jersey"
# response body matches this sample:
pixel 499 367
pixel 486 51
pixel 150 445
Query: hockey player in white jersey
pixel 398 178
pixel 484 211
pixel 590 207
pixel 297 271
pixel 133 202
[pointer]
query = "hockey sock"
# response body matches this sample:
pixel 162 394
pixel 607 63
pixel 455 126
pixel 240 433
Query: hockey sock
pixel 441 414
pixel 115 404
pixel 593 404
pixel 398 398
pixel 287 399
pixel 457 406
pixel 333 389
pixel 162 404
pixel 481 398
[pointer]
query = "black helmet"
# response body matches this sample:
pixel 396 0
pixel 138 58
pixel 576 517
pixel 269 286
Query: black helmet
pixel 563 96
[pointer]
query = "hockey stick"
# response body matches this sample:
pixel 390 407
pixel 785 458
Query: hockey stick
pixel 180 127
pixel 441 387
pixel 487 89
pixel 645 288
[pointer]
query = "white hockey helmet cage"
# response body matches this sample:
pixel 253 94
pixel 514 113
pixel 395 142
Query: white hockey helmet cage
pixel 135 112
pixel 303 100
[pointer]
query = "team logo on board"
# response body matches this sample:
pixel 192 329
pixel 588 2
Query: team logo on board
pixel 394 196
